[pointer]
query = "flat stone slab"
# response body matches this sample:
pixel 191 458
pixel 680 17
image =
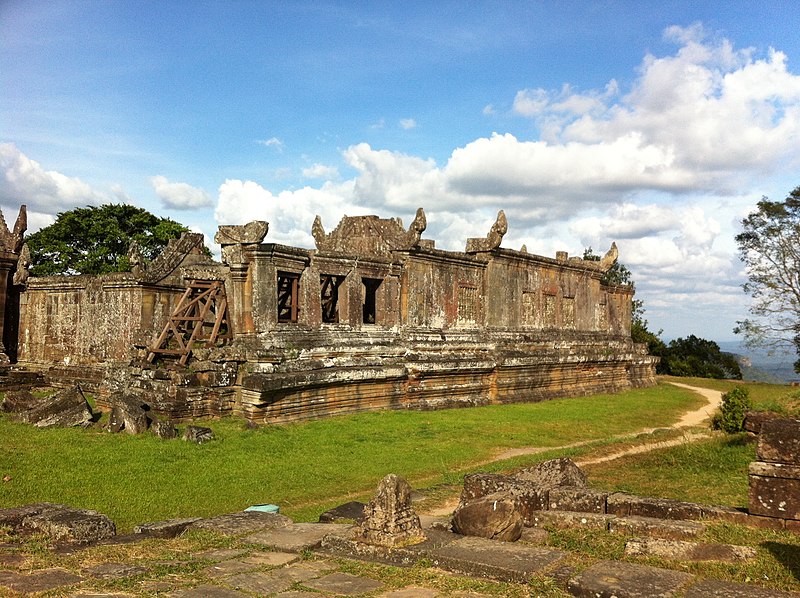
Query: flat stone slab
pixel 412 592
pixel 221 554
pixel 660 528
pixel 712 588
pixel 626 580
pixel 240 565
pixel 171 528
pixel 41 581
pixel 114 570
pixel 260 582
pixel 497 560
pixel 352 511
pixel 237 524
pixel 208 591
pixel 570 519
pixel 679 550
pixel 296 537
pixel 344 583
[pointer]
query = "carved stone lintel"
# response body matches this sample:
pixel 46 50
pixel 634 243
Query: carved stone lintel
pixel 493 239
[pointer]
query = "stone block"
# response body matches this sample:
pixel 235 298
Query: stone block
pixel 661 528
pixel 497 560
pixel 774 496
pixel 66 408
pixel 779 441
pixel 235 524
pixel 679 550
pixel 350 511
pixel 495 516
pixel 68 525
pixel 714 588
pixel 753 420
pixel 171 528
pixel 626 580
pixel 570 519
pixel 295 537
pixel 531 497
pixel 198 434
pixel 555 472
pixel 567 498
pixel 622 504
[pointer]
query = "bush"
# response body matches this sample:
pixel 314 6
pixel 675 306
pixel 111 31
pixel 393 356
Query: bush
pixel 730 417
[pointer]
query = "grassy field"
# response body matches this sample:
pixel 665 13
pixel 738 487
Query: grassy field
pixel 304 468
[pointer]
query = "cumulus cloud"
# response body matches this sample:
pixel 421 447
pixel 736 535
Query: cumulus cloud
pixel 321 171
pixel 180 196
pixel 23 180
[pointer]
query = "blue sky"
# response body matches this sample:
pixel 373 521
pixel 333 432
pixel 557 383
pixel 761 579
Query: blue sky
pixel 657 125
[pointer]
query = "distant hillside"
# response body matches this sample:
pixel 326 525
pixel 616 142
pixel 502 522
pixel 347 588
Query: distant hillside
pixel 759 366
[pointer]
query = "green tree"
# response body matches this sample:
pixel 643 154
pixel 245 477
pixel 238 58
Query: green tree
pixel 694 356
pixel 95 240
pixel 769 246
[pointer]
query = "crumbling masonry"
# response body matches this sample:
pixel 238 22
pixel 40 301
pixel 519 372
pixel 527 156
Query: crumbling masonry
pixel 374 318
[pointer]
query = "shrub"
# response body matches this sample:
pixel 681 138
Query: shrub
pixel 730 417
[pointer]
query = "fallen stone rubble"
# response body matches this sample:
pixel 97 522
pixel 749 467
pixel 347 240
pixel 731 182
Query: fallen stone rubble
pixel 387 530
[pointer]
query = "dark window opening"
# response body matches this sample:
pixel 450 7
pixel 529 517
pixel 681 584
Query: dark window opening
pixel 370 299
pixel 329 295
pixel 288 284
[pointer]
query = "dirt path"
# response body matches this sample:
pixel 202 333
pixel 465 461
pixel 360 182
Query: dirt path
pixel 687 420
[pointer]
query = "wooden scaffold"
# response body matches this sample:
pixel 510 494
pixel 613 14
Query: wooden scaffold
pixel 201 316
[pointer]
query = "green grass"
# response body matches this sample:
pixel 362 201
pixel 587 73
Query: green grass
pixel 302 467
pixel 710 471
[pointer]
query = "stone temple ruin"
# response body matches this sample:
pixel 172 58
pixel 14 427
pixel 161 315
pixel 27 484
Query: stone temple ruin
pixel 375 317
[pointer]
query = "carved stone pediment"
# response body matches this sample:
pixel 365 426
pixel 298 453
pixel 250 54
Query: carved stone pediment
pixel 369 235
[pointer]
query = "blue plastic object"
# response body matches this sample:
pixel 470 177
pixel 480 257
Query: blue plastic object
pixel 264 508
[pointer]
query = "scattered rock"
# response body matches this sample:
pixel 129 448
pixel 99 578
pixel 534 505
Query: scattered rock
pixel 389 520
pixel 235 524
pixel 554 473
pixel 67 525
pixel 198 434
pixel 352 511
pixel 494 516
pixel 163 429
pixel 65 408
pixel 128 413
pixel 171 528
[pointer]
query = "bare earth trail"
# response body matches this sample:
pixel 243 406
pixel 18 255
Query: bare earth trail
pixel 689 419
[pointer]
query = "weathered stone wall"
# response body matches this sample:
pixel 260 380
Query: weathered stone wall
pixel 88 320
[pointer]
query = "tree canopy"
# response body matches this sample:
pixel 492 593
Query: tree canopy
pixel 95 240
pixel 769 246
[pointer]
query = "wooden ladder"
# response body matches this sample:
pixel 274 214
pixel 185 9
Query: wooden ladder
pixel 203 305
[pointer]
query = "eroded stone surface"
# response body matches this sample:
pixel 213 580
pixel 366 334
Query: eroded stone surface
pixel 689 551
pixel 65 408
pixel 495 516
pixel 170 528
pixel 350 511
pixel 64 524
pixel 779 441
pixel 626 580
pixel 344 583
pixel 498 560
pixel 235 524
pixel 389 519
pixel 295 537
pixel 714 588
pixel 553 473
pixel 650 526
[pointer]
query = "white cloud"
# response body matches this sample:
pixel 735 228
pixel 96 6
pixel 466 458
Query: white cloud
pixel 321 171
pixel 271 142
pixel 488 110
pixel 24 181
pixel 408 123
pixel 180 196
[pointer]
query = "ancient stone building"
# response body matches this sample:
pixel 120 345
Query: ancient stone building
pixel 375 317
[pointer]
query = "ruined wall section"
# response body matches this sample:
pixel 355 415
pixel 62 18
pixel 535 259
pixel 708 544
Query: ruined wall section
pixel 90 320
